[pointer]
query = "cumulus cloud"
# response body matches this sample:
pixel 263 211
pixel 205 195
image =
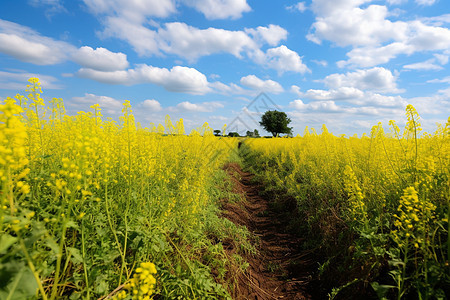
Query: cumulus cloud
pixel 18 80
pixel 375 39
pixel 178 79
pixel 190 42
pixel 220 9
pixel 132 9
pixel 322 106
pixel 271 35
pixel 269 86
pixel 376 79
pixel 362 88
pixel 109 105
pixel 425 2
pixel 100 59
pixel 197 107
pixel 281 59
pixel 25 44
pixel 143 40
pixel 152 105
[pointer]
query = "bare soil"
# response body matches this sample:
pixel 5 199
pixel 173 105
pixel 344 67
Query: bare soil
pixel 281 269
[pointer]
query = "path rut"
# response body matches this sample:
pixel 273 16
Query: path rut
pixel 281 269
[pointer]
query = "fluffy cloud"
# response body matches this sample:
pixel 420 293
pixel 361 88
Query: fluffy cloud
pixel 271 35
pixel 255 83
pixel 425 2
pixel 129 22
pixel 190 42
pixel 323 106
pixel 18 80
pixel 281 59
pixel 100 59
pixel 374 38
pixel 362 88
pixel 178 79
pixel 220 9
pixel 196 107
pixel 27 45
pixel 143 40
pixel 108 104
pixel 152 105
pixel 136 10
pixel 375 79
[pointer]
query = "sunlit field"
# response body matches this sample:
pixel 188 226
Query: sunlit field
pixel 383 199
pixel 97 208
pixel 91 205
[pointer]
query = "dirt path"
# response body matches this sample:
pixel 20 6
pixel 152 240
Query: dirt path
pixel 281 270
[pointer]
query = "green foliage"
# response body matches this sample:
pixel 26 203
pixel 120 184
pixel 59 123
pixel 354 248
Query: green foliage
pixel 276 122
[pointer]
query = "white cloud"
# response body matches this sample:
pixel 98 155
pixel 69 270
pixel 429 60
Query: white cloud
pixel 142 39
pixel 18 80
pixel 322 63
pixel 375 39
pixel 296 90
pixel 135 10
pixel 281 59
pixel 372 56
pixel 396 2
pixel 376 79
pixel 220 9
pixel 354 96
pixel 152 105
pixel 271 35
pixel 52 6
pixel 255 83
pixel 100 59
pixel 436 20
pixel 25 44
pixel 425 2
pixel 190 42
pixel 300 6
pixel 425 65
pixel 443 80
pixel 197 107
pixel 350 25
pixel 322 106
pixel 178 79
pixel 441 58
pixel 341 93
pixel 108 104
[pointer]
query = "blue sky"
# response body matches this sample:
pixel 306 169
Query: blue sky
pixel 345 63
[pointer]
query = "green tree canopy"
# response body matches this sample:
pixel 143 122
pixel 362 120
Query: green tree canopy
pixel 276 122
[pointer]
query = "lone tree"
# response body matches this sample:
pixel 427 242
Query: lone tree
pixel 276 122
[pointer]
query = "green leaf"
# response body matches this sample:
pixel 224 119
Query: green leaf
pixel 76 255
pixel 381 289
pixel 6 241
pixel 22 286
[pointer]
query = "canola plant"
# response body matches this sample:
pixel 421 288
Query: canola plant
pixel 380 203
pixel 84 201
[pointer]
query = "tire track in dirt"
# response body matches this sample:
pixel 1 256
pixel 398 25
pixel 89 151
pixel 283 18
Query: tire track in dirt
pixel 281 270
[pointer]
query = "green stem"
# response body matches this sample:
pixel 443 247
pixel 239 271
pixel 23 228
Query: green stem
pixel 59 260
pixel 83 249
pixel 33 269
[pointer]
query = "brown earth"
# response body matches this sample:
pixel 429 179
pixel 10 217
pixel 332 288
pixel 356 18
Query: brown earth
pixel 280 269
